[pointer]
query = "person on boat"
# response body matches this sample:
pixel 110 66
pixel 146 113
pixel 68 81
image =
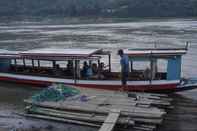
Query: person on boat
pixel 147 73
pixel 124 62
pixel 94 69
pixel 69 69
pixel 85 69
pixel 57 70
pixel 101 70
pixel 89 72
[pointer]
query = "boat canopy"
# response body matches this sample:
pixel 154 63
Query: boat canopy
pixel 9 54
pixel 62 54
pixel 55 54
pixel 155 52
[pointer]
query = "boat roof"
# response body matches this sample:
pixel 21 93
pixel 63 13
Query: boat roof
pixel 158 52
pixel 53 52
pixel 8 54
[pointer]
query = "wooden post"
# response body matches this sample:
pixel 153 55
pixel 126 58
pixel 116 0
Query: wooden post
pixel 15 62
pixel 131 64
pixel 54 64
pixel 24 64
pixel 151 70
pixel 109 62
pixel 187 45
pixel 75 72
pixel 151 67
pixel 90 62
pixel 32 62
pixel 111 120
pixel 38 63
pixel 10 61
pixel 98 62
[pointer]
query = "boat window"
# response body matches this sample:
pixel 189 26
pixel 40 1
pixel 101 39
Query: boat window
pixel 161 71
pixel 19 61
pixel 36 63
pixel 62 64
pixel 13 62
pixel 162 65
pixel 28 62
pixel 141 65
pixel 144 70
pixel 44 63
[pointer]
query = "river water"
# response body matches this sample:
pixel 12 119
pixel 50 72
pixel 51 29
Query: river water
pixel 28 34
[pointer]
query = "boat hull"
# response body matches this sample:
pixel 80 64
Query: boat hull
pixel 162 87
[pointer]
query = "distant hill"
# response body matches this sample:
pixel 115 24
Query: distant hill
pixel 105 8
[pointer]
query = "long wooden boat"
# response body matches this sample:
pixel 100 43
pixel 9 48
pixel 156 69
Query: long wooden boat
pixel 46 66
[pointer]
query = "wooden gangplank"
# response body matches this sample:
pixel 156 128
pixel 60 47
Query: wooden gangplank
pixel 111 120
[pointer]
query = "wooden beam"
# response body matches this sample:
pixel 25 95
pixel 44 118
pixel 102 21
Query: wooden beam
pixel 45 117
pixel 111 120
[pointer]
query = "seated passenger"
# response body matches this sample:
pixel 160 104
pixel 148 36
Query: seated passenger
pixel 94 69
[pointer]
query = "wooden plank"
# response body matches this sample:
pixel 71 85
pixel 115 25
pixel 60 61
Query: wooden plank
pixel 113 116
pixel 132 111
pixel 110 120
pixel 91 106
pixel 138 112
pixel 60 120
pixel 94 118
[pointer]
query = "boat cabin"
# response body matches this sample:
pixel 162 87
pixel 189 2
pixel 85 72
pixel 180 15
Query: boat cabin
pixel 60 63
pixel 168 59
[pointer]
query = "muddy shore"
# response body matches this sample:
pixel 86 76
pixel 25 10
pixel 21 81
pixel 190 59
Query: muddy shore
pixel 183 117
pixel 12 106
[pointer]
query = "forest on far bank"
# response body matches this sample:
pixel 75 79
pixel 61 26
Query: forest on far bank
pixel 101 8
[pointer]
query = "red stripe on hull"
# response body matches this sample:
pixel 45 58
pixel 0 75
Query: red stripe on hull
pixel 23 81
pixel 139 88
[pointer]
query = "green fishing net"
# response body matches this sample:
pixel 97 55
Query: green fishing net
pixel 56 92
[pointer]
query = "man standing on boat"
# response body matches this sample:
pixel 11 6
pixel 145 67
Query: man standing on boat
pixel 124 62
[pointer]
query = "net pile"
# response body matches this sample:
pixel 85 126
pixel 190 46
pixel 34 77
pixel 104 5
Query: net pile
pixel 56 92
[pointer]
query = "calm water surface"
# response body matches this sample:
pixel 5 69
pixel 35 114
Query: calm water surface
pixel 25 35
